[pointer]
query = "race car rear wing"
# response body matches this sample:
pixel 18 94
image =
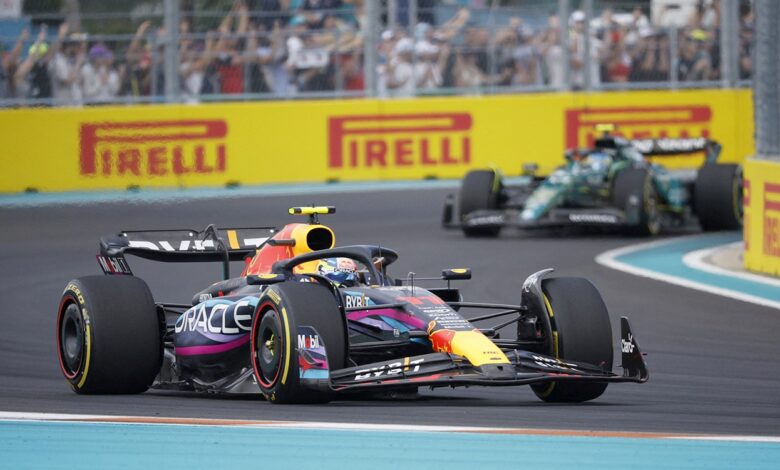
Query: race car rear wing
pixel 666 146
pixel 182 245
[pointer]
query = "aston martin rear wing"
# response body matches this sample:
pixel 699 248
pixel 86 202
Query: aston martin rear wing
pixel 182 245
pixel 679 146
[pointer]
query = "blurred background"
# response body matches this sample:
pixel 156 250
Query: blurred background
pixel 90 52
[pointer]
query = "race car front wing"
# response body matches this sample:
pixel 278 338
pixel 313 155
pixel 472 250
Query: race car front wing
pixel 449 370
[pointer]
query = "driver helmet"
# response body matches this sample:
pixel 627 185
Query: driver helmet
pixel 598 161
pixel 342 271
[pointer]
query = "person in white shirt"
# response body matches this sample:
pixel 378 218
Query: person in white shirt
pixel 100 80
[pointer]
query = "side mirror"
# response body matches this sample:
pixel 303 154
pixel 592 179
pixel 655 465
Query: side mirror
pixel 530 169
pixel 264 279
pixel 456 274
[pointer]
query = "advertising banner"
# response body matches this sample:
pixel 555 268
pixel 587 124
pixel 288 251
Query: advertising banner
pixel 762 216
pixel 116 147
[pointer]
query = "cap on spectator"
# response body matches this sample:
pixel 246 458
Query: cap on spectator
pixel 421 30
pixel 39 50
pixel 403 46
pixel 387 34
pixel 99 51
pixel 577 16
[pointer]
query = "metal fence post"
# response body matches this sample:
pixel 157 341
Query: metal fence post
pixel 729 42
pixel 370 48
pixel 766 79
pixel 674 57
pixel 587 83
pixel 563 23
pixel 171 63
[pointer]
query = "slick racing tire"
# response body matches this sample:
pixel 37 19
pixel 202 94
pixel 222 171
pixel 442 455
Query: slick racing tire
pixel 479 191
pixel 283 315
pixel 109 335
pixel 580 332
pixel 718 197
pixel 633 190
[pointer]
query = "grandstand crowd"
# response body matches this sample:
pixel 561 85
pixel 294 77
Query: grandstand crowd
pixel 286 48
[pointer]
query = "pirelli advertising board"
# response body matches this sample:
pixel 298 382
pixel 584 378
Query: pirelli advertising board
pixel 762 216
pixel 314 141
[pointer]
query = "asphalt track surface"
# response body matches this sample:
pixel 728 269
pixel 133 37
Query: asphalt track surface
pixel 713 361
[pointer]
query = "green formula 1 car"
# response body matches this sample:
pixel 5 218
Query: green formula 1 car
pixel 610 184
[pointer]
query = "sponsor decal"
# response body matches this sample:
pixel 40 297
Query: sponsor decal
pixel 399 140
pixel 627 346
pixel 222 318
pixel 552 363
pixel 491 220
pixel 355 300
pixel 681 145
pixel 308 341
pixel 639 122
pixel 772 219
pixel 312 358
pixel 593 218
pixel 389 369
pixel 192 245
pixel 113 265
pixel 153 148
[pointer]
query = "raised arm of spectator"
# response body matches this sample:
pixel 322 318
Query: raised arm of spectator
pixel 27 65
pixel 243 18
pixel 61 33
pixel 453 26
pixel 13 56
pixel 134 50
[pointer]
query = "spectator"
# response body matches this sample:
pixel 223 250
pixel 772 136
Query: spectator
pixel 651 57
pixel 270 56
pixel 694 62
pixel 230 56
pixel 195 61
pixel 137 73
pixel 66 68
pixel 746 42
pixel 527 60
pixel 552 53
pixel 315 12
pixel 31 78
pixel 100 80
pixel 577 53
pixel 8 65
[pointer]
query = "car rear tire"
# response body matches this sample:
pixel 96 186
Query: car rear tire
pixel 479 190
pixel 580 332
pixel 718 197
pixel 109 335
pixel 283 309
pixel 633 187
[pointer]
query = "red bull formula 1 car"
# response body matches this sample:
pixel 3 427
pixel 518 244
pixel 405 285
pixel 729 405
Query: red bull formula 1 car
pixel 306 322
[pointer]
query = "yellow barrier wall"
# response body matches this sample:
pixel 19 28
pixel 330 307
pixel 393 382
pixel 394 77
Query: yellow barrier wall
pixel 314 141
pixel 762 216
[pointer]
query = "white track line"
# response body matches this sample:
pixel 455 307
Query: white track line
pixel 106 419
pixel 609 259
pixel 695 260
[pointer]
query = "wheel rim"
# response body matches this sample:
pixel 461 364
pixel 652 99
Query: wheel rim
pixel 268 349
pixel 71 340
